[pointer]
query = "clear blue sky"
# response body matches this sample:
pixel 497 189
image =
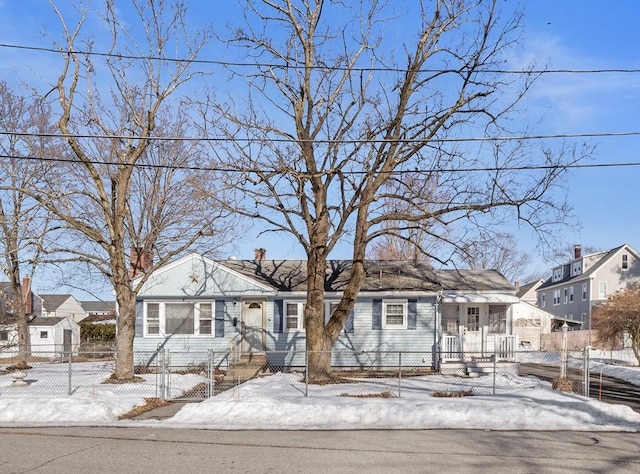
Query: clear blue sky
pixel 562 34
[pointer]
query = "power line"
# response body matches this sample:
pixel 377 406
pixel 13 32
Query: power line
pixel 301 66
pixel 324 141
pixel 352 172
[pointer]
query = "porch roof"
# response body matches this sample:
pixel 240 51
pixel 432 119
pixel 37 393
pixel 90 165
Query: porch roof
pixel 479 298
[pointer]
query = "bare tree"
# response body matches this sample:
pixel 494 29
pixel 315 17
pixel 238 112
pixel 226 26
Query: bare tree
pixel 24 225
pixel 617 317
pixel 498 252
pixel 336 123
pixel 125 188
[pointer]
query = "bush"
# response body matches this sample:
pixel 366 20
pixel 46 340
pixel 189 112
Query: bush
pixel 91 332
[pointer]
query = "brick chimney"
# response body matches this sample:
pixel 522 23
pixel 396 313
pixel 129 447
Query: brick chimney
pixel 516 285
pixel 140 260
pixel 259 254
pixel 577 251
pixel 27 296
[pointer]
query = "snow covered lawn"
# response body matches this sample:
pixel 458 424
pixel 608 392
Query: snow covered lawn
pixel 278 402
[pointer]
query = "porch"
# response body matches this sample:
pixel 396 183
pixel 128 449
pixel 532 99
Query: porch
pixel 498 356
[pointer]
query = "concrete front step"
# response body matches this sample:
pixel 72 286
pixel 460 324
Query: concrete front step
pixel 249 366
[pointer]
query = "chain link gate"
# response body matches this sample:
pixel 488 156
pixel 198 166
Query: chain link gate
pixel 185 376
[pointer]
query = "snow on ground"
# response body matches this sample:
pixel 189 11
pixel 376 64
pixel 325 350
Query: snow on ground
pixel 278 402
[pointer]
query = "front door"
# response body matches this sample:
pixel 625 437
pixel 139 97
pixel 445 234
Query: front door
pixel 472 331
pixel 252 326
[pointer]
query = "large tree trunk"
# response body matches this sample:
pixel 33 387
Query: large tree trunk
pixel 126 332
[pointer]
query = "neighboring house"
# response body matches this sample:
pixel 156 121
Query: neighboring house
pixel 574 288
pixel 99 312
pixel 530 321
pixel 195 304
pixel 63 306
pixel 49 337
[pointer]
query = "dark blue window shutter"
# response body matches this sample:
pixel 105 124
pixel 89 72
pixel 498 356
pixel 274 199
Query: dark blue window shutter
pixel 376 314
pixel 220 314
pixel 348 325
pixel 278 311
pixel 412 321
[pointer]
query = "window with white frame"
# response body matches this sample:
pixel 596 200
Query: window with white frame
pixel 602 290
pixel 44 334
pixel 497 319
pixel 153 319
pixel 205 318
pixel 566 295
pixel 473 319
pixel 571 294
pixel 557 274
pixel 394 314
pixel 583 316
pixel 584 292
pixel 543 302
pixel 556 297
pixel 4 336
pixel 625 262
pixel 294 315
pixel 185 318
pixel 576 268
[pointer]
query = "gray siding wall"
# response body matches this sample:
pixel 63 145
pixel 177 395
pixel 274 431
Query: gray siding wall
pixel 365 338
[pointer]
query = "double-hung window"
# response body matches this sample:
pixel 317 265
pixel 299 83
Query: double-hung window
pixel 584 292
pixel 556 297
pixel 184 318
pixel 602 291
pixel 625 262
pixel 294 315
pixel 566 295
pixel 394 314
pixel 497 319
pixel 571 294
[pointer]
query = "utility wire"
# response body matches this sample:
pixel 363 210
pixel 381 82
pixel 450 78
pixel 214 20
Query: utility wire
pixel 301 66
pixel 316 140
pixel 351 172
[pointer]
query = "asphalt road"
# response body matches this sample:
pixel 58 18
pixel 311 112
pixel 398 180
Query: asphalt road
pixel 603 388
pixel 153 451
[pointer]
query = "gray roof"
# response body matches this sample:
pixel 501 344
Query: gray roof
pixel 606 255
pixel 525 288
pixel 473 280
pixel 45 321
pixel 53 302
pixel 98 306
pixel 380 275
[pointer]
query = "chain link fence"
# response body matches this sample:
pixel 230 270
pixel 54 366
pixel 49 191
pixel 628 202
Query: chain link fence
pixel 174 375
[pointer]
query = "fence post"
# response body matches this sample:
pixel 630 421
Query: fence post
pixel 306 373
pixel 399 374
pixel 586 374
pixel 211 373
pixel 70 371
pixel 494 370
